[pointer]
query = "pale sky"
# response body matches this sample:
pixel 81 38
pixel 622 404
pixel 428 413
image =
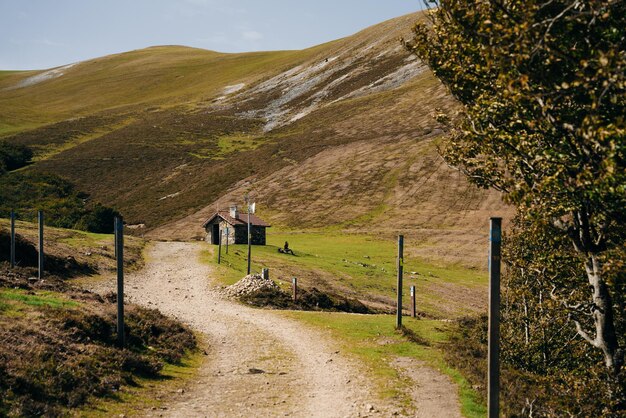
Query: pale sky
pixel 39 34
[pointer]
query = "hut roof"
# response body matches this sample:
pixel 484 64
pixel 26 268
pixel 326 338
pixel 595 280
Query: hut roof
pixel 241 219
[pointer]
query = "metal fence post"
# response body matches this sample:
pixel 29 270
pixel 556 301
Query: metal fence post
pixel 119 251
pixel 12 239
pixel 249 240
pixel 41 250
pixel 219 248
pixel 413 305
pixel 493 376
pixel 400 266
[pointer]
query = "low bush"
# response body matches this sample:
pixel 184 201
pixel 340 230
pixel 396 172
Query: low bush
pixel 55 358
pixel 13 156
pixel 308 300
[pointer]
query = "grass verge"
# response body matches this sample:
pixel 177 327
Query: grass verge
pixel 374 341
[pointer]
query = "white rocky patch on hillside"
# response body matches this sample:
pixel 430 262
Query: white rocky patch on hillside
pixel 301 90
pixel 41 77
pixel 392 81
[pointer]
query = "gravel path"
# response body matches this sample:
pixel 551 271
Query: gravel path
pixel 259 363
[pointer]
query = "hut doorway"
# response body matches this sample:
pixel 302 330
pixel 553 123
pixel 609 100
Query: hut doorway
pixel 215 234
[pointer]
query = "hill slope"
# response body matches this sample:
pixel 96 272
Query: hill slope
pixel 340 135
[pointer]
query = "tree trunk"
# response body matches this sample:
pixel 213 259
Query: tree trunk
pixel 606 339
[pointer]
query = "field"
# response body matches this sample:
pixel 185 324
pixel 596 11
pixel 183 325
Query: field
pixel 359 266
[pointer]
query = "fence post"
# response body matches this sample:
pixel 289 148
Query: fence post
pixel 249 240
pixel 227 238
pixel 413 306
pixel 265 273
pixel 41 250
pixel 115 236
pixel 119 252
pixel 219 247
pixel 493 394
pixel 400 266
pixel 294 285
pixel 12 238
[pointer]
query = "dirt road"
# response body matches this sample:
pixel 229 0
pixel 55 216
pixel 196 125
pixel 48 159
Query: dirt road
pixel 258 363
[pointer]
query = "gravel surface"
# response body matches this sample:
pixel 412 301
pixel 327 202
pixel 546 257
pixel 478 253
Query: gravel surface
pixel 258 363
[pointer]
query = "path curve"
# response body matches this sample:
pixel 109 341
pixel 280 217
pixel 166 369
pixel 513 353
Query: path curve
pixel 258 363
pixel 304 375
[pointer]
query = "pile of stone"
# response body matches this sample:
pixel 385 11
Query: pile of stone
pixel 252 283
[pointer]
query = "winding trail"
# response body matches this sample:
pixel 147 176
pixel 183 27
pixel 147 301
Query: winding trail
pixel 258 363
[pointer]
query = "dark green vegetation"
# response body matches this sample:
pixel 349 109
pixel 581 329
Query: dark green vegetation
pixel 26 255
pixel 25 193
pixel 543 85
pixel 308 300
pixel 63 206
pixel 58 343
pixel 13 156
pixel 528 386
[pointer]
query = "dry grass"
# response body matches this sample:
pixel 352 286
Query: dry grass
pixel 159 143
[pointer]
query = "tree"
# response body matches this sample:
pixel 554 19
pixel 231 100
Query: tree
pixel 542 83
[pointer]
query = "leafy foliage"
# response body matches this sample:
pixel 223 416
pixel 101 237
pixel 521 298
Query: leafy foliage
pixel 543 86
pixel 13 156
pixel 63 206
pixel 563 392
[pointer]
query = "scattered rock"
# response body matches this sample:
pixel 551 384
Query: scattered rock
pixel 255 371
pixel 250 284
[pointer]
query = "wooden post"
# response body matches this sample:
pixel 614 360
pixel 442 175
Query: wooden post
pixel 249 238
pixel 219 247
pixel 400 266
pixel 119 251
pixel 12 239
pixel 40 263
pixel 294 285
pixel 493 376
pixel 413 306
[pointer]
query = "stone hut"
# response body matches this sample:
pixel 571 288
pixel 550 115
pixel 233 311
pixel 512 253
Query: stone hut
pixel 233 226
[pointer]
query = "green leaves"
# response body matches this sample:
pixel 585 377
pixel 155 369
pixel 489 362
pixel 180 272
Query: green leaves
pixel 543 85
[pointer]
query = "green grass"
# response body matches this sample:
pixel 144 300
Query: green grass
pixel 237 143
pixel 14 301
pixel 373 340
pixel 362 264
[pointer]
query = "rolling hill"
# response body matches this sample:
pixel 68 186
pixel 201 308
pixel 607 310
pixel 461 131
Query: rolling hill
pixel 338 136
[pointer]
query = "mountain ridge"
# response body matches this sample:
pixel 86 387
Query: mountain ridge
pixel 340 135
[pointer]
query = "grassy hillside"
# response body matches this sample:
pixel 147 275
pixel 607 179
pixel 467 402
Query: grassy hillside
pixel 338 136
